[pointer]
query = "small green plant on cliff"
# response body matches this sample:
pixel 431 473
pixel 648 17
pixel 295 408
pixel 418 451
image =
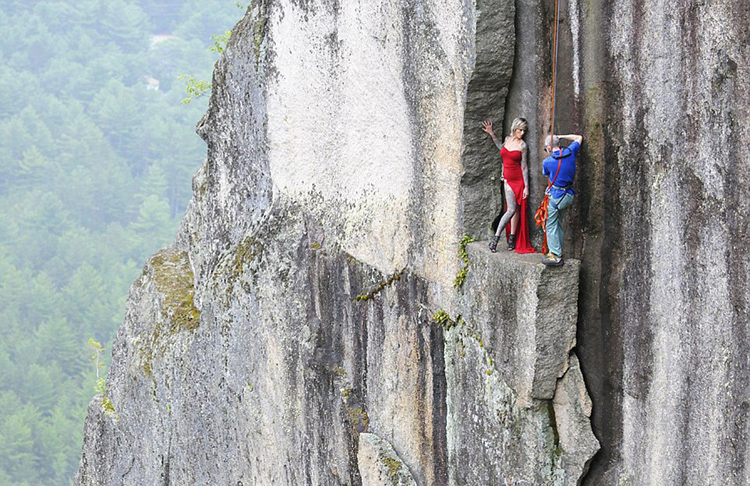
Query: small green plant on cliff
pixel 393 278
pixel 220 42
pixel 464 256
pixel 444 320
pixel 101 384
pixel 195 88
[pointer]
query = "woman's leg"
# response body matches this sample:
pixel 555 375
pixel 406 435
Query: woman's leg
pixel 510 210
pixel 514 222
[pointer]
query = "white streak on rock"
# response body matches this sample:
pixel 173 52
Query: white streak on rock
pixel 575 24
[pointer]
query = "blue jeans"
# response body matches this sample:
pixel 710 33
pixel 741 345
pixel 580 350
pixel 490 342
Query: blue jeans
pixel 555 212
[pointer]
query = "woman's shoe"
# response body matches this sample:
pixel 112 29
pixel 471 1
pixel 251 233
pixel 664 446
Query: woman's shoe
pixel 511 242
pixel 493 243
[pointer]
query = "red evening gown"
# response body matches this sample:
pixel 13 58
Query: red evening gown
pixel 514 177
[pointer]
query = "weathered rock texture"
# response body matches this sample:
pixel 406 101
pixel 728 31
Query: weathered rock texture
pixel 506 357
pixel 342 162
pixel 379 465
pixel 658 90
pixel 526 314
pixel 285 370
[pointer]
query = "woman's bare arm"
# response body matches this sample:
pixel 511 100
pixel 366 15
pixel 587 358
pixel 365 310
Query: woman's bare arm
pixel 487 127
pixel 525 168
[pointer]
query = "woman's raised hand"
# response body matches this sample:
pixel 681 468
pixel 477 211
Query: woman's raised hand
pixel 487 127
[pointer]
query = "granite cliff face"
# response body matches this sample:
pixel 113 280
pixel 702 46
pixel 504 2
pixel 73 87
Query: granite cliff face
pixel 659 90
pixel 304 327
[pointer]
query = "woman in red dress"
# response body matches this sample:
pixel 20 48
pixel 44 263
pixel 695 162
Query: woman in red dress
pixel 514 153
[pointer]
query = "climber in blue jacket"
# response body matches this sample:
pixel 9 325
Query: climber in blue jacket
pixel 560 168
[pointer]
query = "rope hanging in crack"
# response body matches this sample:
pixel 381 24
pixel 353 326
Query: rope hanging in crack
pixel 554 71
pixel 541 214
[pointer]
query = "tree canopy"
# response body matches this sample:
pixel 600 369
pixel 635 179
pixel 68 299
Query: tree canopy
pixel 97 154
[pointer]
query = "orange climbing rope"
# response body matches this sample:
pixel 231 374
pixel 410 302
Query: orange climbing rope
pixel 541 214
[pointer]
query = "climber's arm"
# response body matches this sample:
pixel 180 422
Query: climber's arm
pixel 572 138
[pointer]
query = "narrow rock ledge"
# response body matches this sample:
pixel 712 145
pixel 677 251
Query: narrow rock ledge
pixel 526 315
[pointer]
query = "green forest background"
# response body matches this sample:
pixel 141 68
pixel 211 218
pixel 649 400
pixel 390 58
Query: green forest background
pixel 96 167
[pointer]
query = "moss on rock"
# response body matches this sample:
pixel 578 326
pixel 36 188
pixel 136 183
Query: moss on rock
pixel 172 275
pixel 174 280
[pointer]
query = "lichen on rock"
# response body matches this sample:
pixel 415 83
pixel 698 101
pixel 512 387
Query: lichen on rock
pixel 174 281
pixel 379 465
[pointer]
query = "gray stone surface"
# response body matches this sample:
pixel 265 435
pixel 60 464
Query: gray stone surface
pixel 494 52
pixel 293 313
pixel 572 407
pixel 350 128
pixel 493 438
pixel 526 313
pixel 660 226
pixel 518 412
pixel 284 371
pixel 379 465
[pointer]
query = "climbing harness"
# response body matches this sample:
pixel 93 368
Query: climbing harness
pixel 541 214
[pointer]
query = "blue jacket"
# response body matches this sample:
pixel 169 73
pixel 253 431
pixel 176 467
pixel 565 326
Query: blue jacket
pixel 563 184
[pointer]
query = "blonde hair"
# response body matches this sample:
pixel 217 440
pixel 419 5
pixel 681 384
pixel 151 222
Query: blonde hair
pixel 518 124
